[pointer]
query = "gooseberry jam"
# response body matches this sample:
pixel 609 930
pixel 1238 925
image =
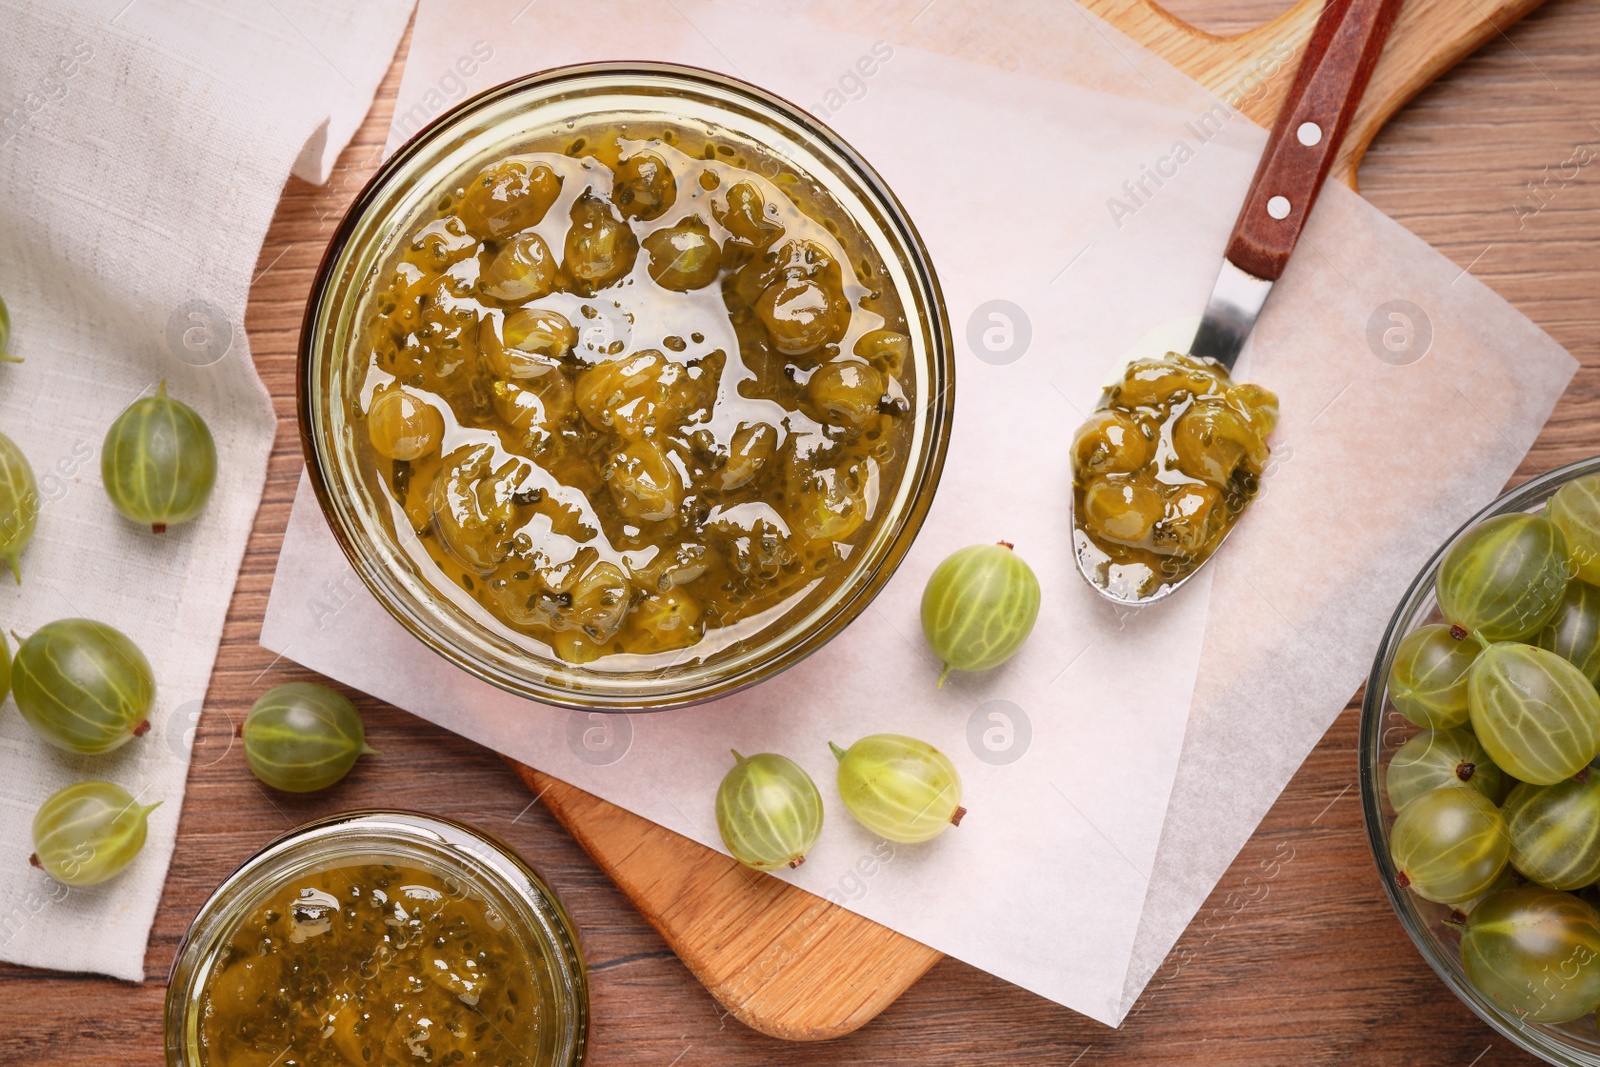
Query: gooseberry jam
pixel 379 963
pixel 1162 470
pixel 632 385
pixel 379 938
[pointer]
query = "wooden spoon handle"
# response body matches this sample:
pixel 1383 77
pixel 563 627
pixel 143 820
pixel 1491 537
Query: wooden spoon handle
pixel 1339 58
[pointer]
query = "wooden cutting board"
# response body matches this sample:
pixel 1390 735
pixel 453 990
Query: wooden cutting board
pixel 790 964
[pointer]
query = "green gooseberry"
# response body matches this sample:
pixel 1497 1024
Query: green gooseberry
pixel 1555 831
pixel 1575 509
pixel 88 832
pixel 768 811
pixel 1503 579
pixel 5 335
pixel 19 504
pixel 900 788
pixel 159 463
pixel 1435 759
pixel 1535 952
pixel 83 686
pixel 1535 714
pixel 1449 845
pixel 978 608
pixel 301 737
pixel 1573 632
pixel 1428 678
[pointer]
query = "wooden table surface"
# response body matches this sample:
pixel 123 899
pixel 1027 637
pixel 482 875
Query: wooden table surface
pixel 1314 970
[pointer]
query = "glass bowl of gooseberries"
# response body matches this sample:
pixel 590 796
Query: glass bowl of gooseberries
pixel 1480 764
pixel 625 386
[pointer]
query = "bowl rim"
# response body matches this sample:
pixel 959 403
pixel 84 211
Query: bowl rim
pixel 940 408
pixel 1373 701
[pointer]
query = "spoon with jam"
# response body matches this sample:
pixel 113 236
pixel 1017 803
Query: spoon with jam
pixel 1175 451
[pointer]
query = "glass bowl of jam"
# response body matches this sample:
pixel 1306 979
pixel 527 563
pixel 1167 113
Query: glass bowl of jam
pixel 379 937
pixel 625 386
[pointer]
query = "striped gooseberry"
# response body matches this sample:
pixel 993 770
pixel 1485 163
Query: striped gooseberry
pixel 768 811
pixel 1435 759
pixel 1428 677
pixel 1555 831
pixel 1504 578
pixel 83 686
pixel 900 788
pixel 1573 632
pixel 159 463
pixel 979 607
pixel 88 832
pixel 19 504
pixel 1575 509
pixel 1536 714
pixel 301 737
pixel 1449 845
pixel 1535 952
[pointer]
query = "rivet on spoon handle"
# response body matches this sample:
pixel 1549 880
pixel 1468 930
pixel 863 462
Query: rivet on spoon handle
pixel 1339 59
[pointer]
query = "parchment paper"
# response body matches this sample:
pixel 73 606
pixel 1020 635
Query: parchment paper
pixel 1096 258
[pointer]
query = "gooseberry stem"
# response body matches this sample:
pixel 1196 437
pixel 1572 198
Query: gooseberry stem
pixel 368 750
pixel 737 758
pixel 942 676
pixel 16 567
pixel 956 816
pixel 838 753
pixel 7 357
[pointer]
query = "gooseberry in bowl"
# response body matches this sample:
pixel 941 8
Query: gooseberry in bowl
pixel 1480 731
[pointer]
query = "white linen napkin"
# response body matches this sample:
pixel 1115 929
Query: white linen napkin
pixel 143 149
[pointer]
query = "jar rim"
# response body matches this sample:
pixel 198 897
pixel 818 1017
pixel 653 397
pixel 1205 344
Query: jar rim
pixel 481 859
